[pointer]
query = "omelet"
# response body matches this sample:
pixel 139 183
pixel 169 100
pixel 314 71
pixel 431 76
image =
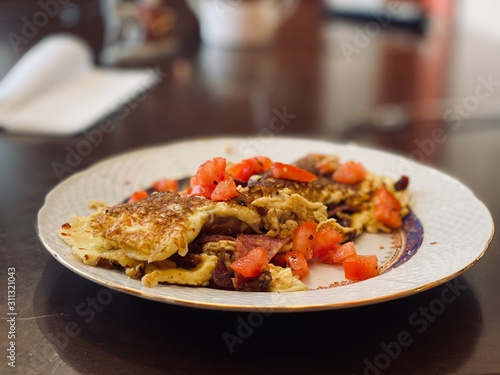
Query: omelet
pixel 351 205
pixel 166 223
pixel 177 238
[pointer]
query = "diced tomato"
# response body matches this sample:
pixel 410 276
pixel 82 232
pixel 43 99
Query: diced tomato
pixel 138 195
pixel 225 190
pixel 205 190
pixel 166 184
pixel 387 208
pixel 303 239
pixel 252 264
pixel 263 163
pixel 208 176
pixel 291 172
pixel 240 171
pixel 339 253
pixel 312 242
pixel 325 240
pixel 247 168
pixel 361 267
pixel 298 263
pixel 210 172
pixel 350 173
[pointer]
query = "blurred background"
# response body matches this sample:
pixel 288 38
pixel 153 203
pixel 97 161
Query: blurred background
pixel 345 69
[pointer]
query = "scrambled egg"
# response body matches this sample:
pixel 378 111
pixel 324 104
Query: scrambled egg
pixel 198 276
pixel 284 280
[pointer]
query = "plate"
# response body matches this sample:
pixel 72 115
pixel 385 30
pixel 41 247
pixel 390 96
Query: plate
pixel 457 227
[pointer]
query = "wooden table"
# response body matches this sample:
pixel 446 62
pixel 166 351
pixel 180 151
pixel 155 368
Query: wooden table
pixel 69 325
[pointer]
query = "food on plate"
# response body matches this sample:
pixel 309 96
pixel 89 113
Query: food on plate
pixel 254 225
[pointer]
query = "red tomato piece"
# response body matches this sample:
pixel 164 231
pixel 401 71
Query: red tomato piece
pixel 298 263
pixel 325 165
pixel 210 172
pixel 312 242
pixel 247 168
pixel 263 163
pixel 350 173
pixel 252 264
pixel 138 195
pixel 291 172
pixel 339 253
pixel 387 208
pixel 325 240
pixel 240 171
pixel 225 190
pixel 166 184
pixel 303 239
pixel 204 190
pixel 361 267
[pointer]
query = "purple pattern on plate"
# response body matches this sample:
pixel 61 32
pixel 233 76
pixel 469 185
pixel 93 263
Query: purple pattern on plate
pixel 414 233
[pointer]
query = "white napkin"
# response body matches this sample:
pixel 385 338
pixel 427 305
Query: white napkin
pixel 55 89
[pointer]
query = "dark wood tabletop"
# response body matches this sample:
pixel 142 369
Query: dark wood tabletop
pixel 392 94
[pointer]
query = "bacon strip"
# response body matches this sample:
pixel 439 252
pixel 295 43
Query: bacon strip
pixel 247 242
pixel 221 277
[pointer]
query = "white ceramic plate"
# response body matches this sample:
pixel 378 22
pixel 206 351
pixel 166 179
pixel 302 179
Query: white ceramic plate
pixel 457 226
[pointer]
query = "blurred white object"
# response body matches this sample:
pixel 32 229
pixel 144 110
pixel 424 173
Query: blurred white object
pixel 54 89
pixel 52 61
pixel 230 24
pixel 402 11
pixel 356 6
pixel 479 18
